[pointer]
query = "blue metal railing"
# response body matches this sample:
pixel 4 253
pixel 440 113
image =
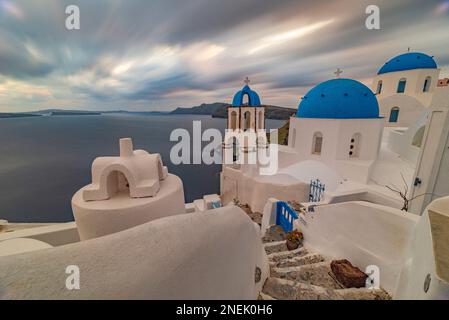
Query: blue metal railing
pixel 285 216
pixel 316 190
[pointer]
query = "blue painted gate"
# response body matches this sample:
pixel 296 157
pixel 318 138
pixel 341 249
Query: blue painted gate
pixel 285 216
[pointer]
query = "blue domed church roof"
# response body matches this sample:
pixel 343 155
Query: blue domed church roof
pixel 339 99
pixel 409 61
pixel 253 97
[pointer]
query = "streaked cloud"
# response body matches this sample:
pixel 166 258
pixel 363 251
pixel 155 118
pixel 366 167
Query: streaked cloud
pixel 161 54
pixel 281 38
pixel 10 8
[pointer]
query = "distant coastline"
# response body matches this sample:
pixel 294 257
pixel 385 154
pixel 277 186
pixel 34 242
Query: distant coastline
pixel 215 110
pixel 75 113
pixel 18 115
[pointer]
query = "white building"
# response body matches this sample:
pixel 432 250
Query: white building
pixel 405 87
pixel 356 142
pixel 145 243
pixel 338 123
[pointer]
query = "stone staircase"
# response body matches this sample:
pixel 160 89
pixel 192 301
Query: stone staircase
pixel 304 275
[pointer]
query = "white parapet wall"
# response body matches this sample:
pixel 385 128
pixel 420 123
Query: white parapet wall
pixel 207 255
pixel 364 233
pixel 426 275
pixel 410 251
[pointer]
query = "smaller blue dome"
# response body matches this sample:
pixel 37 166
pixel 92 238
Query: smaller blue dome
pixel 409 61
pixel 339 99
pixel 253 97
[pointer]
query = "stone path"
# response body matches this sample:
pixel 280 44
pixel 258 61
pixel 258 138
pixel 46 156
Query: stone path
pixel 304 275
pixel 255 216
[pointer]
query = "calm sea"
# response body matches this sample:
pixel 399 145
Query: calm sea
pixel 45 160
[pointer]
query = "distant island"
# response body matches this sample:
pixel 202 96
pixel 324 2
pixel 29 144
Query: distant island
pixel 219 110
pixel 74 113
pixel 215 110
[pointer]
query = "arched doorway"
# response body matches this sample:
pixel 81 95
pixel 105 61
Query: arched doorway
pixel 261 120
pixel 246 120
pixel 116 182
pixel 233 120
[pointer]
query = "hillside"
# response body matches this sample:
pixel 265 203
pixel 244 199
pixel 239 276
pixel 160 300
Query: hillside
pixel 219 110
pixel 271 112
pixel 204 109
pixel 282 134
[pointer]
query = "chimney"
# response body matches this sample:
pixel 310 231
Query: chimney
pixel 126 147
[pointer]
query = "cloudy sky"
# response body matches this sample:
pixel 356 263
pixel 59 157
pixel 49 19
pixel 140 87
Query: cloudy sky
pixel 161 54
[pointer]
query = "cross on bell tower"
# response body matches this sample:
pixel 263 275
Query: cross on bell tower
pixel 338 72
pixel 247 81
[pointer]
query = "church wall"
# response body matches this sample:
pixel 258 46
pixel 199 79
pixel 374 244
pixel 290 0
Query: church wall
pixel 441 97
pixel 415 83
pixel 370 131
pixel 305 130
pixel 409 110
pixel 337 136
pixel 176 257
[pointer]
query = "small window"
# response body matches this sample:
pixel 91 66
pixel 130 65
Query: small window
pixel 394 114
pixel 317 143
pixel 401 85
pixel 354 146
pixel 427 83
pixel 379 87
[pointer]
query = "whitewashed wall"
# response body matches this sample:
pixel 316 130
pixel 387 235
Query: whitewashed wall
pixel 415 83
pixel 208 255
pixel 365 234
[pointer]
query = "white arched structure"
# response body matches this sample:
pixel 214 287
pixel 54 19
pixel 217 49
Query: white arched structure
pixel 126 191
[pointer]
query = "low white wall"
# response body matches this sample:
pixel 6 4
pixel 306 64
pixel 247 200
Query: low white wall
pixel 57 234
pixel 364 195
pixel 99 218
pixel 428 253
pixel 364 233
pixel 207 255
pixel 255 191
pixel 268 215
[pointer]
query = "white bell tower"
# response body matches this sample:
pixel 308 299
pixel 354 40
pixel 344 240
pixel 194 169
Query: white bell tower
pixel 245 132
